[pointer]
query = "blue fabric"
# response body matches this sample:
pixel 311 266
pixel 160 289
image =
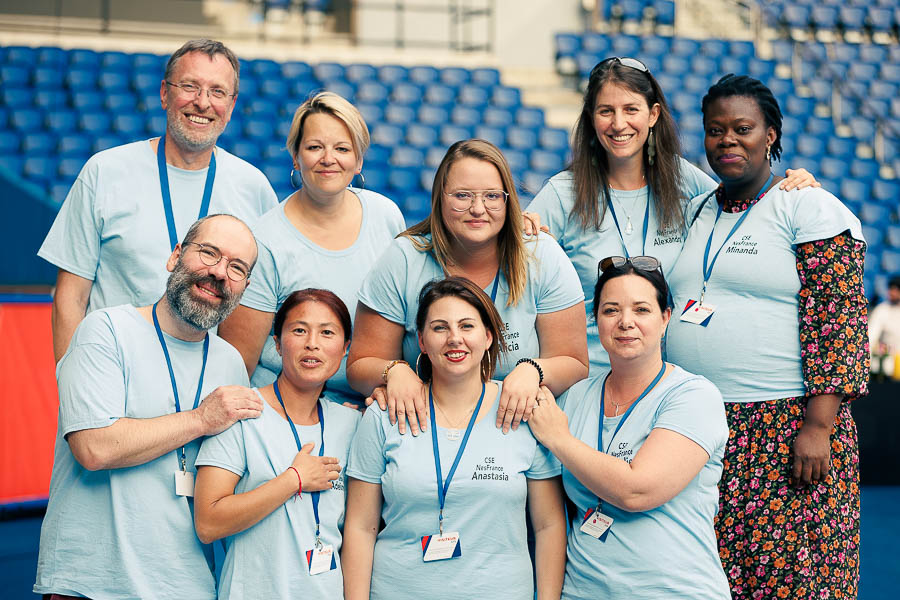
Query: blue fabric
pixel 289 261
pixel 669 551
pixel 123 533
pixel 392 290
pixel 112 230
pixel 555 203
pixel 268 560
pixel 754 288
pixel 485 504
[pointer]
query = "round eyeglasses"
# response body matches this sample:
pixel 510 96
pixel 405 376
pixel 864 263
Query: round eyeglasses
pixel 463 200
pixel 191 90
pixel 235 268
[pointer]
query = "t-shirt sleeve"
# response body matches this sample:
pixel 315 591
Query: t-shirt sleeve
pixel 91 377
pixel 225 450
pixel 559 286
pixel 73 242
pixel 695 409
pixel 262 292
pixel 818 215
pixel 383 288
pixel 543 465
pixel 694 181
pixel 549 207
pixel 366 460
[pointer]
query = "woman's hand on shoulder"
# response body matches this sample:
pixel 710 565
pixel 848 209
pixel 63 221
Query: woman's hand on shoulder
pixel 405 398
pixel 548 422
pixel 532 224
pixel 518 397
pixel 799 179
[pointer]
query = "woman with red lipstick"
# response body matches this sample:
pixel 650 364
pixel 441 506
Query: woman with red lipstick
pixel 627 188
pixel 770 307
pixel 326 234
pixel 247 475
pixel 474 231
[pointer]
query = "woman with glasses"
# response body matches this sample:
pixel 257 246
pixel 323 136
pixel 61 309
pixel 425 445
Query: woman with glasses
pixel 474 231
pixel 326 234
pixel 770 307
pixel 627 187
pixel 272 485
pixel 453 501
pixel 641 446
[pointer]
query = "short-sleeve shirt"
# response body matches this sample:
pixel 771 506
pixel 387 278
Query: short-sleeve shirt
pixel 485 504
pixel 393 285
pixel 555 204
pixel 268 560
pixel 112 228
pixel 754 287
pixel 289 261
pixel 666 552
pixel 123 533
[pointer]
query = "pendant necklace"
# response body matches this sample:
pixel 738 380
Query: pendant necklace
pixel 455 432
pixel 629 228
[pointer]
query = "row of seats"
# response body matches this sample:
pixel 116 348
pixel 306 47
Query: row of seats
pixel 797 15
pixel 661 12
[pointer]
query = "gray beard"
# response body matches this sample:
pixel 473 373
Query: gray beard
pixel 197 313
pixel 181 138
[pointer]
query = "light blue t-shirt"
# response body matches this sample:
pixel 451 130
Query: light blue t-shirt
pixel 751 346
pixel 393 285
pixel 289 261
pixel 669 551
pixel 112 227
pixel 555 204
pixel 485 504
pixel 123 533
pixel 268 560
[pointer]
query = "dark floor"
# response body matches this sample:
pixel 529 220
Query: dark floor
pixel 879 579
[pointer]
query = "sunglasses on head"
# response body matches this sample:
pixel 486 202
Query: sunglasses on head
pixel 631 63
pixel 641 263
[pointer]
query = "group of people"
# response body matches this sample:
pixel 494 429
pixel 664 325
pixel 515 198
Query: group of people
pixel 637 403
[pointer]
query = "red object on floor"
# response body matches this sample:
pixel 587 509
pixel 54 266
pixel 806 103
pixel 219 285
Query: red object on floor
pixel 29 399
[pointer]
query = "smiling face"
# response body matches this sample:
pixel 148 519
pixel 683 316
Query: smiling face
pixel 629 321
pixel 454 338
pixel 736 139
pixel 622 121
pixel 194 121
pixel 326 158
pixel 311 344
pixel 476 226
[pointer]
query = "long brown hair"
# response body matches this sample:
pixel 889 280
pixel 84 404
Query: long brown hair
pixel 590 165
pixel 513 255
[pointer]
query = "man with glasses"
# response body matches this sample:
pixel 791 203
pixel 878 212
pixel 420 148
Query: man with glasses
pixel 138 388
pixel 130 204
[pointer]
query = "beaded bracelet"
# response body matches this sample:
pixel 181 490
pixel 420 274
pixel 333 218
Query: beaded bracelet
pixel 534 364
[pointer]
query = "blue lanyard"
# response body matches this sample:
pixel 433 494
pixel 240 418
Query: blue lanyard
pixel 627 412
pixel 167 196
pixel 321 414
pixel 496 285
pixel 442 485
pixel 612 211
pixel 165 349
pixel 707 266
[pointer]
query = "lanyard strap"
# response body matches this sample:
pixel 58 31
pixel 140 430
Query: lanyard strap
pixel 707 266
pixel 612 211
pixel 167 196
pixel 165 349
pixel 442 485
pixel 321 414
pixel 496 285
pixel 627 412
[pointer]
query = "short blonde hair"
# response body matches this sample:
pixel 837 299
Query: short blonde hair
pixel 338 107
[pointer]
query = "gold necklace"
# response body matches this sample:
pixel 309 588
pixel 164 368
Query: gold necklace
pixel 454 432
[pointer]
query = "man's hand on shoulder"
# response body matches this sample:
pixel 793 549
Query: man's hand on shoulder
pixel 227 405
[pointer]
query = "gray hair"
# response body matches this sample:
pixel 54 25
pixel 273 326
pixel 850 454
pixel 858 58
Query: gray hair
pixel 211 48
pixel 194 231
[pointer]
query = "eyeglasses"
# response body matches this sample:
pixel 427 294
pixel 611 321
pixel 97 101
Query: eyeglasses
pixel 191 90
pixel 462 200
pixel 631 63
pixel 641 263
pixel 235 268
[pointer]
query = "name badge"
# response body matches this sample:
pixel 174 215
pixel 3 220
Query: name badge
pixel 595 523
pixel 441 546
pixel 184 483
pixel 321 559
pixel 696 313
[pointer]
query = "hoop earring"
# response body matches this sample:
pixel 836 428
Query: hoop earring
pixel 418 358
pixel 362 183
pixel 485 366
pixel 769 154
pixel 294 183
pixel 651 147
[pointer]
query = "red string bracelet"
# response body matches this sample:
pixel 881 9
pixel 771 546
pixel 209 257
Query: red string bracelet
pixel 299 482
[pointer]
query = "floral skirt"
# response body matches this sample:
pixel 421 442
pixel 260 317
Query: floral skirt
pixel 777 540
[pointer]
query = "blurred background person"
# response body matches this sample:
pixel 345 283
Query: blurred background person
pixel 884 330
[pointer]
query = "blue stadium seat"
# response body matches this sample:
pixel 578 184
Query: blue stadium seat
pixel 530 116
pixel 890 72
pixel 15 75
pixel 852 18
pixel 795 15
pixel 741 48
pixel 466 116
pixel 51 56
pixel 506 97
pixel 654 46
pixel 440 94
pixel 485 77
pixel 416 206
pixel 61 121
pixel 595 43
pixel 421 136
pixel 248 150
pixel 873 53
pixel 891 236
pixel 399 114
pixel 264 69
pixel 533 181
pixel 855 190
pixel 517 159
pixel 156 124
pixel 810 145
pixel 454 76
pixel 378 154
pixel 795 105
pixel 864 169
pixel 271 151
pixel 833 168
pixel 115 61
pixel 376 178
pixel 567 44
pixel 697 85
pixel 70 167
pixel 21 55
pixel 81 79
pixel 16 97
pixel 497 117
pixel 890 261
pixel 433 115
pixel 713 48
pixel 862 71
pixel 94 122
pixel 886 192
pixel 259 128
pixel 522 138
pixel 40 168
pixel 585 62
pixel 879 19
pixel 665 12
pixel 46 78
pixel 819 126
pixel 121 101
pixel 372 113
pixel 372 92
pixel 626 45
pixel 705 66
pixel 630 10
pixel 732 64
pixel 404 179
pixel 386 134
pixel 274 88
pixel 342 88
pixel 129 125
pixel 473 95
pixel 824 17
pixel 546 162
pixel 72 145
pixel 863 129
pixel 554 139
pixel 12 163
pixel 359 73
pixel 145 82
pixel 391 74
pixel 10 142
pixel 296 70
pixel 451 134
pixel 684 47
pixel 791 126
pixel 301 89
pixel 841 147
pixel 423 75
pixel 676 64
pixel 495 135
pixel 780 88
pixel 26 119
pixel 407 156
pixel 144 61
pixel 783 51
pixel 434 156
pixel 249 87
pixel 327 71
pixel 407 93
pixel 882 89
pixel 263 106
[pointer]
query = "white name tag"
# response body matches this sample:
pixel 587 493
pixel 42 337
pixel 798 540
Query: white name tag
pixel 441 546
pixel 321 559
pixel 184 483
pixel 595 523
pixel 696 313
